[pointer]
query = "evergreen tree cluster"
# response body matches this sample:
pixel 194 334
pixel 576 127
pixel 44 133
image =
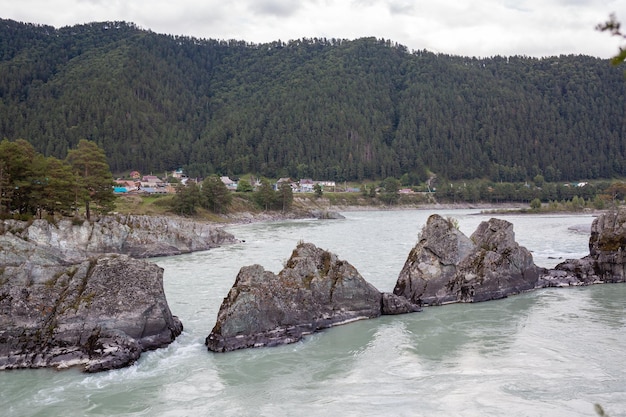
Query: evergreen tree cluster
pixel 33 184
pixel 213 195
pixel 319 108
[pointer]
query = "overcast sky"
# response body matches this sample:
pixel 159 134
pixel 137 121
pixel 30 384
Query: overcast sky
pixel 461 27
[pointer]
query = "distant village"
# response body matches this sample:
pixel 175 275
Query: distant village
pixel 151 184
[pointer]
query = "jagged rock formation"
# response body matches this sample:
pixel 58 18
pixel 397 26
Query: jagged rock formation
pixel 99 314
pixel 445 266
pixel 432 263
pixel 606 262
pixel 314 291
pixel 137 236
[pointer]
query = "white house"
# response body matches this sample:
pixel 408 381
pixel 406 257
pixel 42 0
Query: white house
pixel 306 185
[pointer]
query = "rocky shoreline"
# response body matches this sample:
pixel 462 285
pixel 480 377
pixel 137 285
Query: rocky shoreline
pixel 75 294
pixel 136 236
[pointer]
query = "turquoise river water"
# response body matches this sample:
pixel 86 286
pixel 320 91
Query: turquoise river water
pixel 552 352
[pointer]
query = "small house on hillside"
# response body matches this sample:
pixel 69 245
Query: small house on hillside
pixel 127 185
pixel 153 185
pixel 285 180
pixel 151 181
pixel 306 185
pixel 327 185
pixel 230 184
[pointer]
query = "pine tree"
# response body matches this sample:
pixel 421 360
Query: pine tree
pixel 216 196
pixel 16 159
pixel 94 181
pixel 58 194
pixel 187 198
pixel 265 196
pixel 285 196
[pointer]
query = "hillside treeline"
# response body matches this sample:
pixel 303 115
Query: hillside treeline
pixel 321 108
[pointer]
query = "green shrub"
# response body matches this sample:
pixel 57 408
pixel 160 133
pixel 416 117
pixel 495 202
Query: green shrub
pixel 535 204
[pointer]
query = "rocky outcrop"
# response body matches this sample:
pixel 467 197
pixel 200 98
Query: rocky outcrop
pixel 446 266
pixel 138 236
pixel 100 314
pixel 64 303
pixel 432 263
pixel 314 291
pixel 327 215
pixel 606 262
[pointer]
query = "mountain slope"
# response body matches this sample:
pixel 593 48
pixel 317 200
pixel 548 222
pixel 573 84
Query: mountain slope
pixel 334 109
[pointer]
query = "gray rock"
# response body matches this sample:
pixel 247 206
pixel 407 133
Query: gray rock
pixel 445 266
pixel 99 314
pixel 498 266
pixel 571 272
pixel 16 251
pixel 138 236
pixel 606 262
pixel 395 304
pixel 607 246
pixel 432 263
pixel 327 215
pixel 315 290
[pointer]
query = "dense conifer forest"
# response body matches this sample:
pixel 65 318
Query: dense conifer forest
pixel 322 108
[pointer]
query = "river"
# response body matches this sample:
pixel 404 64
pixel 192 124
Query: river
pixel 552 352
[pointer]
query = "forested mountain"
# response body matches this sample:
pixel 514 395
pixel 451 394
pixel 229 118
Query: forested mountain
pixel 323 108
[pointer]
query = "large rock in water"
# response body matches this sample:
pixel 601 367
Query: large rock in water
pixel 432 263
pixel 446 266
pixel 99 314
pixel 314 291
pixel 606 262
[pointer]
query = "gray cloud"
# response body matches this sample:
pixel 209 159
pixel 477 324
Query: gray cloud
pixel 279 8
pixel 401 7
pixel 485 28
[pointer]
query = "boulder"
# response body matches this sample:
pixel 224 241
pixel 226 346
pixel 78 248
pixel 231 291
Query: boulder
pixel 497 267
pixel 607 246
pixel 99 314
pixel 432 263
pixel 327 215
pixel 446 266
pixel 606 262
pixel 315 290
pixel 393 304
